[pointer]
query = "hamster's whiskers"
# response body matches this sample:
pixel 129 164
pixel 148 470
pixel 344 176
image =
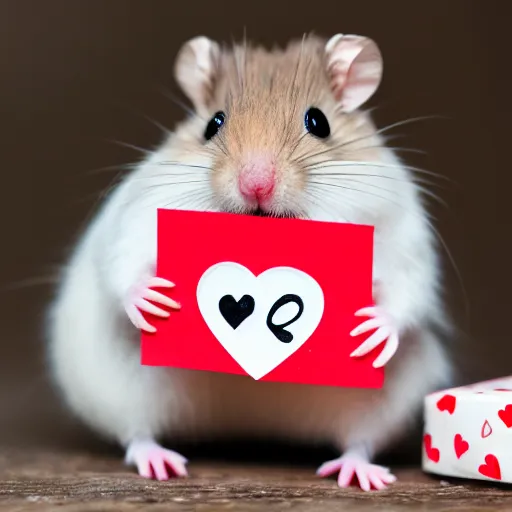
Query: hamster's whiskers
pixel 347 163
pixel 385 129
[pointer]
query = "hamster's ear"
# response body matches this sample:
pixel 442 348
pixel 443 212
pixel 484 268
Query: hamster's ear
pixel 354 65
pixel 195 70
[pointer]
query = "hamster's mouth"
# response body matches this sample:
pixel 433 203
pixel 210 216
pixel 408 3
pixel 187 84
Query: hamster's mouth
pixel 259 212
pixel 282 215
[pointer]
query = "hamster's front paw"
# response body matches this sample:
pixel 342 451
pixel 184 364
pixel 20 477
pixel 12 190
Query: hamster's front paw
pixel 385 332
pixel 154 461
pixel 142 297
pixel 352 466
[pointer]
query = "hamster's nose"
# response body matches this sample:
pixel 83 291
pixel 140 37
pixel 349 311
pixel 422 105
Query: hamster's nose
pixel 257 180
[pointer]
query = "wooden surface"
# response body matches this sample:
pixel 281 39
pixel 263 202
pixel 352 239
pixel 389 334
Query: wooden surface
pixel 36 480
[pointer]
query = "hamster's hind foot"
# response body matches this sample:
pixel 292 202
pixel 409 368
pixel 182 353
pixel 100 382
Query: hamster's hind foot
pixel 353 465
pixel 143 298
pixel 154 461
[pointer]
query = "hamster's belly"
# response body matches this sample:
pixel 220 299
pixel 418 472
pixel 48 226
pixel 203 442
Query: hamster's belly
pixel 219 405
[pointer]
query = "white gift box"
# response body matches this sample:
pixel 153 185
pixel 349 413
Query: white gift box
pixel 468 431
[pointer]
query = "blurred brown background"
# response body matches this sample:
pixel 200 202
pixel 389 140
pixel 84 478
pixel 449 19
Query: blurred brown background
pixel 76 75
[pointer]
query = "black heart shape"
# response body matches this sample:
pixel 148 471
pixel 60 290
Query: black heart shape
pixel 236 312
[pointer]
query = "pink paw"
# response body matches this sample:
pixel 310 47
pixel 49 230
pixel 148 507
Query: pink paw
pixel 350 466
pixel 385 331
pixel 142 298
pixel 154 461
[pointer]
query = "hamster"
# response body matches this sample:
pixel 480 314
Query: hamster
pixel 278 132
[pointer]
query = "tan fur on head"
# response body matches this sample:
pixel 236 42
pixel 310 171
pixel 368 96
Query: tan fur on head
pixel 265 95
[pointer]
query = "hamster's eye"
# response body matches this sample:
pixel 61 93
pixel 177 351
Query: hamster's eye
pixel 214 125
pixel 316 123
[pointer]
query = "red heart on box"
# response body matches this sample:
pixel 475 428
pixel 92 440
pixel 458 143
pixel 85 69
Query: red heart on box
pixel 461 446
pixel 432 453
pixel 506 415
pixel 491 468
pixel 447 403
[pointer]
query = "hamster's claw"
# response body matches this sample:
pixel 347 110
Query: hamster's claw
pixel 353 466
pixel 155 462
pixel 143 298
pixel 385 331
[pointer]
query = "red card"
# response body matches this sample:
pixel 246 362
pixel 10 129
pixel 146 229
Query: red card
pixel 212 256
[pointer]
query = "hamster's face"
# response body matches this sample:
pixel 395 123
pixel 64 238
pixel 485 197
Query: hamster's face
pixel 275 128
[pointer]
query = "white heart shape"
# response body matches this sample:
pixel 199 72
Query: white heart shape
pixel 252 344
